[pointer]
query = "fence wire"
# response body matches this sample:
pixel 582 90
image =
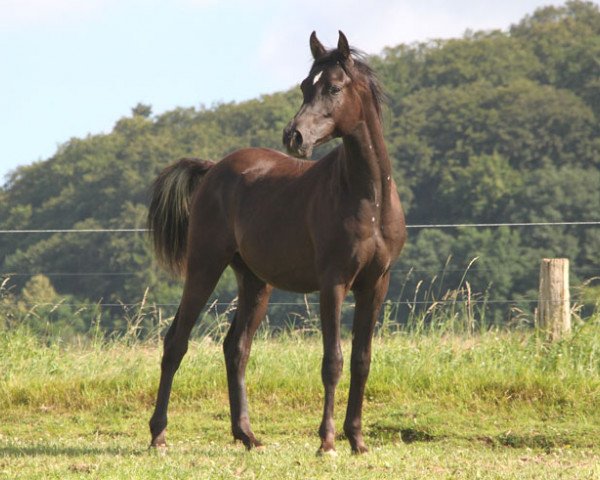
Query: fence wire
pixel 293 304
pixel 419 226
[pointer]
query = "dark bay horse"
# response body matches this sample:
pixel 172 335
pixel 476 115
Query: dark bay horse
pixel 331 226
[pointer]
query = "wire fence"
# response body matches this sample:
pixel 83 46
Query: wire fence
pixel 577 271
pixel 306 304
pixel 278 304
pixel 416 226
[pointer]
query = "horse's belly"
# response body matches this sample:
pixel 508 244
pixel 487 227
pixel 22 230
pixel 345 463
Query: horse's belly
pixel 300 284
pixel 286 268
pixel 292 279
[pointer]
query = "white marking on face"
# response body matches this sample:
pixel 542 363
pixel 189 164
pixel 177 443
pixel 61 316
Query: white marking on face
pixel 317 77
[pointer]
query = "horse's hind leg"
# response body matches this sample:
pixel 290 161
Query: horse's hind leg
pixel 253 298
pixel 203 274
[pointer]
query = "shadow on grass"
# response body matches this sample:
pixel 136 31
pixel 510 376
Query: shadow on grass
pixel 39 450
pixel 536 441
pixel 407 435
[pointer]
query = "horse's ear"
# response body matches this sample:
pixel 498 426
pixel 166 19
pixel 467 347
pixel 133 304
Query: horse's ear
pixel 344 46
pixel 316 47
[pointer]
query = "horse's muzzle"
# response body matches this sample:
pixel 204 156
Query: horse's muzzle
pixel 293 141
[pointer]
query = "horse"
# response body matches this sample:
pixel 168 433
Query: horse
pixel 283 221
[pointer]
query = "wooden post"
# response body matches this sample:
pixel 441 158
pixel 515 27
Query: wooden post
pixel 554 303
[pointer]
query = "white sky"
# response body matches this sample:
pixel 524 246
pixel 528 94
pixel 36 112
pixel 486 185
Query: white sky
pixel 69 68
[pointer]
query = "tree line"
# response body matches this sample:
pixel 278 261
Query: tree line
pixel 496 126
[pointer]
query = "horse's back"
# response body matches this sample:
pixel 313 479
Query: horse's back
pixel 254 163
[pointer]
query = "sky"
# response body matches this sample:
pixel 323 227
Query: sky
pixel 71 68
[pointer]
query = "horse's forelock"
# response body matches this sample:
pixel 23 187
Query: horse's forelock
pixel 358 64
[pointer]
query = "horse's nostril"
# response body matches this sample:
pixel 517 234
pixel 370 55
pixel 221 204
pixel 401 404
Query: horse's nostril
pixel 292 139
pixel 297 139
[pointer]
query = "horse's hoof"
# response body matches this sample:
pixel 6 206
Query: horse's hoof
pixel 360 449
pixel 254 444
pixel 160 440
pixel 249 441
pixel 327 453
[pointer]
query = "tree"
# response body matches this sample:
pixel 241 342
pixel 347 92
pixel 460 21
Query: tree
pixel 492 127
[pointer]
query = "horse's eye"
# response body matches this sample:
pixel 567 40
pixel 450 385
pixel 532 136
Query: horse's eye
pixel 334 89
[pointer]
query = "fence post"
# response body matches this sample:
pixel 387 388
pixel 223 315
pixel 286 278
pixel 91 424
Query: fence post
pixel 554 303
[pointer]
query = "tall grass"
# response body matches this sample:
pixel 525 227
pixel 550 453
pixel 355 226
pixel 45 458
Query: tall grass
pixel 501 399
pixel 495 367
pixel 448 353
pixel 431 308
pixel 493 398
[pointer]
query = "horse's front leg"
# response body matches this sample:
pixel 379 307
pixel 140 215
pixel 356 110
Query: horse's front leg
pixel 368 304
pixel 331 300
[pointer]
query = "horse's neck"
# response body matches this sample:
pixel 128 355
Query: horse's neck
pixel 368 166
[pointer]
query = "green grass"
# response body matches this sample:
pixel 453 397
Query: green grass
pixel 439 406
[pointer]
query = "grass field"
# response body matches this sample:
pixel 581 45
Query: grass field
pixel 498 404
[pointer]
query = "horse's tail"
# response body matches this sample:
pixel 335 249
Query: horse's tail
pixel 169 212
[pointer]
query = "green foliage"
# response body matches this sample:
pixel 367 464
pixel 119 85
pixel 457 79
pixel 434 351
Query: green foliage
pixel 41 310
pixel 492 127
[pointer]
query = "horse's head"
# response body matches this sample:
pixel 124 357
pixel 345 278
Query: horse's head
pixel 333 93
